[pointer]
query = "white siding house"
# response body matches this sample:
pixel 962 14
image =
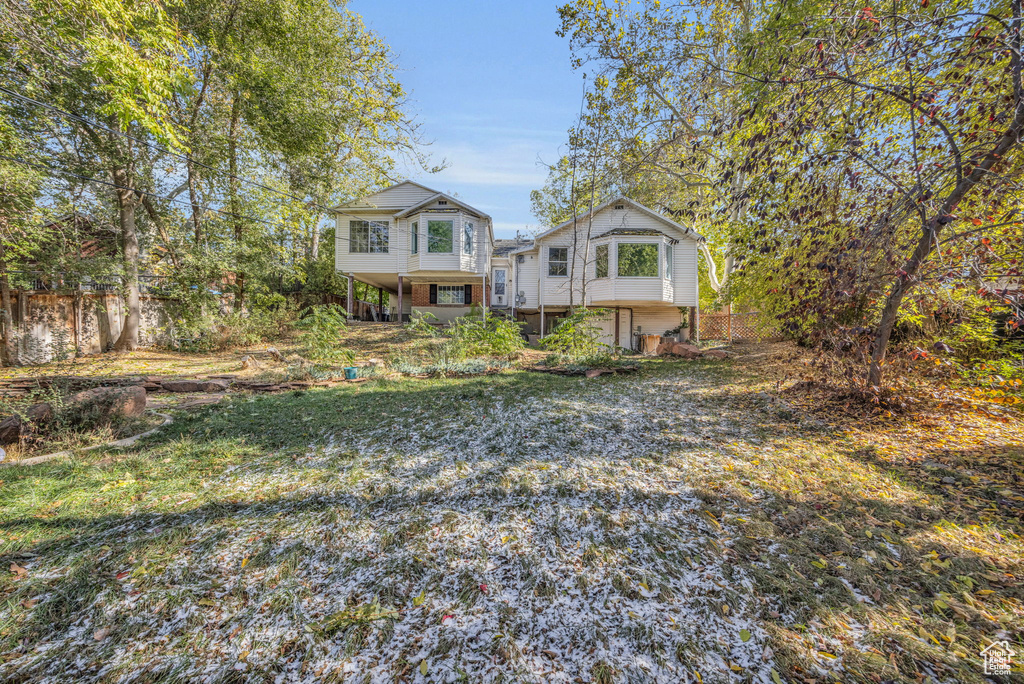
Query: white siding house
pixel 626 258
pixel 429 249
pixel 437 254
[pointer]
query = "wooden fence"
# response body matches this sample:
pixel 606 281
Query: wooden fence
pixel 738 326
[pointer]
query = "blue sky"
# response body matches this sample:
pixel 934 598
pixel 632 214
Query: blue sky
pixel 492 87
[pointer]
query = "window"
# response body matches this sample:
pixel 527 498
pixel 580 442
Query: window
pixel 451 294
pixel 415 237
pixel 558 261
pixel 440 237
pixel 368 237
pixel 442 203
pixel 499 281
pixel 620 206
pixel 601 262
pixel 467 238
pixel 668 261
pixel 638 260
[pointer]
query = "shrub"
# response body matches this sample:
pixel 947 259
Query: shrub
pixel 576 336
pixel 480 333
pixel 320 334
pixel 197 330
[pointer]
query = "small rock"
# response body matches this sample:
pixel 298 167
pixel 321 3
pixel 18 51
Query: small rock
pixel 949 480
pixel 717 354
pixel 195 385
pixel 686 351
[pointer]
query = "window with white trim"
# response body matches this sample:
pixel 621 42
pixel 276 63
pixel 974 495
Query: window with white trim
pixel 467 238
pixel 637 260
pixel 368 237
pixel 440 237
pixel 558 261
pixel 668 261
pixel 415 237
pixel 601 261
pixel 451 294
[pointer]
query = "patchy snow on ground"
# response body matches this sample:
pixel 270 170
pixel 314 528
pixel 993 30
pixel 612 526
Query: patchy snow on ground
pixel 552 540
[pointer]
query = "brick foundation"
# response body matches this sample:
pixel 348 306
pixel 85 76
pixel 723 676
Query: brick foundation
pixel 421 294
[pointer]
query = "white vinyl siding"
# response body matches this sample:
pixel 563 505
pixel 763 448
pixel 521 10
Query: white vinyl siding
pixel 400 197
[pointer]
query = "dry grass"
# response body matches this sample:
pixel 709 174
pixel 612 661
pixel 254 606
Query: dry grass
pixel 697 521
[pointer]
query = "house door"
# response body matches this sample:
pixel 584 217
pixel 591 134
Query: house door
pixel 499 297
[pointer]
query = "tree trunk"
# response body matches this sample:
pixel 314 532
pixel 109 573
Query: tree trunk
pixel 236 219
pixel 193 198
pixel 128 340
pixel 930 232
pixel 8 351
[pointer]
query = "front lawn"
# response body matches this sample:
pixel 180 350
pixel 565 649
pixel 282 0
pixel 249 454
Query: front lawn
pixel 675 525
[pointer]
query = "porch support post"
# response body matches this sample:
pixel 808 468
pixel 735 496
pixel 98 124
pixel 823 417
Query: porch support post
pixel 351 300
pixel 400 309
pixel 542 321
pixel 618 340
pixel 483 296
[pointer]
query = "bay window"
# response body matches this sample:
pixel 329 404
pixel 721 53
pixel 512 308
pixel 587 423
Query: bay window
pixel 440 237
pixel 637 260
pixel 415 237
pixel 601 261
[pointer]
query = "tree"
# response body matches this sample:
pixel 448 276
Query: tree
pixel 917 110
pixel 114 65
pixel 19 188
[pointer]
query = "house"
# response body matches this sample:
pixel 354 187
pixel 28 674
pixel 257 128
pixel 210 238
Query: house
pixel 432 251
pixel 438 255
pixel 623 257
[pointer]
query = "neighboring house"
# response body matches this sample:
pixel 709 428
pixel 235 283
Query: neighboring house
pixel 638 264
pixel 430 250
pixel 437 254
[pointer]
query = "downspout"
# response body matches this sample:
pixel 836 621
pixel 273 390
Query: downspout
pixel 483 297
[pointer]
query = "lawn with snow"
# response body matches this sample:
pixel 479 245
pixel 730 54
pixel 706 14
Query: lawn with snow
pixel 513 528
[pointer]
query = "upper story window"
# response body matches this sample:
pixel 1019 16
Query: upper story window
pixel 368 237
pixel 637 260
pixel 668 261
pixel 415 244
pixel 601 261
pixel 467 238
pixel 442 203
pixel 440 237
pixel 558 261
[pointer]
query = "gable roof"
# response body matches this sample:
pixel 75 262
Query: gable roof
pixel 688 232
pixel 649 232
pixel 362 203
pixel 434 198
